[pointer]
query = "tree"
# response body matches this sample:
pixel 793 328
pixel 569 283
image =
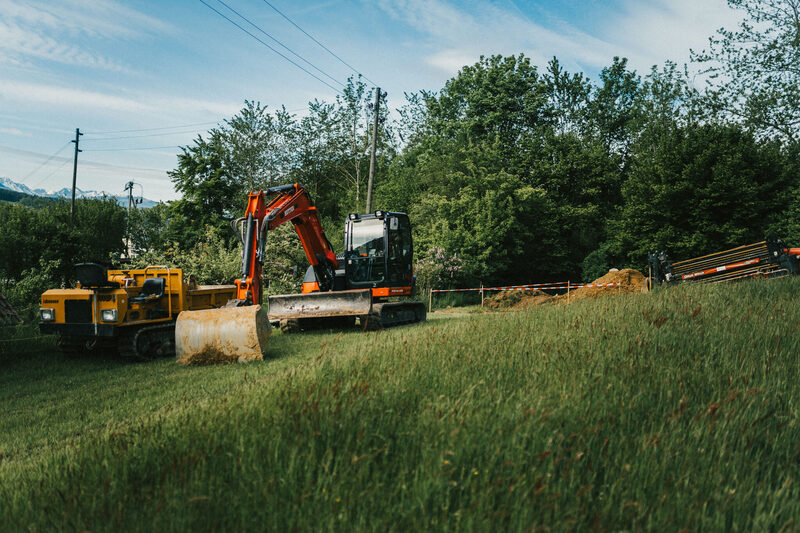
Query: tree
pixel 333 150
pixel 259 146
pixel 755 69
pixel 210 190
pixel 43 249
pixel 699 189
pixel 149 228
pixel 250 151
pixel 502 229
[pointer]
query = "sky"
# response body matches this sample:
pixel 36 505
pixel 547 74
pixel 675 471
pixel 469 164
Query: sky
pixel 142 77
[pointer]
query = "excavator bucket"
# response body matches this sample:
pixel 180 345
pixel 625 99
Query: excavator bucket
pixel 224 335
pixel 320 304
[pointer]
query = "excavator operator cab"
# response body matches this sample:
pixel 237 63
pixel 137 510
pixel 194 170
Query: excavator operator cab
pixel 378 250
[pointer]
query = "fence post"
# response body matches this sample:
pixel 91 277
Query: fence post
pixel 481 295
pixel 567 291
pixel 430 300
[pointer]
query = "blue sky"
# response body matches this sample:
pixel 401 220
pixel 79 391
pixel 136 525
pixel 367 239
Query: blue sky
pixel 114 66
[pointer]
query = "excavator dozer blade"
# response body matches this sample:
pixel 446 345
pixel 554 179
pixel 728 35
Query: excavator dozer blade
pixel 320 304
pixel 224 335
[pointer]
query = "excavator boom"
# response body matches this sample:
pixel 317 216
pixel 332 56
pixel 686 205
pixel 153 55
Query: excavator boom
pixel 291 204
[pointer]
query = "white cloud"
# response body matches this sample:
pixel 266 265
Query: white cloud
pixel 34 93
pixel 460 37
pixel 49 30
pixel 18 91
pixel 15 132
pixel 647 33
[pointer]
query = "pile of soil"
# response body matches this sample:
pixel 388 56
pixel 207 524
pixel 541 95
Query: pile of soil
pixel 517 299
pixel 629 280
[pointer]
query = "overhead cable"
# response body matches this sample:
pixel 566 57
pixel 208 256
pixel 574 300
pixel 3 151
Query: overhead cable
pixel 142 136
pixel 270 47
pixel 301 58
pixel 130 149
pixel 150 129
pixel 59 167
pixel 345 63
pixel 34 171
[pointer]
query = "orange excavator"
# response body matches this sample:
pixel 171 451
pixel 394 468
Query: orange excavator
pixel 376 264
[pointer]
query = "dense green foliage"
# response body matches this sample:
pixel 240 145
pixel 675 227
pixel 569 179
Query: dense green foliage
pixel 40 249
pixel 21 198
pixel 662 411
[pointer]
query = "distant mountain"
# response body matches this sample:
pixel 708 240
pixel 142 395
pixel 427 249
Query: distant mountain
pixel 66 192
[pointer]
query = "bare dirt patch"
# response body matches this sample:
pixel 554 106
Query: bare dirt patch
pixel 627 281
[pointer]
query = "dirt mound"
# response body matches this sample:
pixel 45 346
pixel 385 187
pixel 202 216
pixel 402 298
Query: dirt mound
pixel 517 299
pixel 629 280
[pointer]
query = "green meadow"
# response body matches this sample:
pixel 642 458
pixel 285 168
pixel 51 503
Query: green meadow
pixel 662 411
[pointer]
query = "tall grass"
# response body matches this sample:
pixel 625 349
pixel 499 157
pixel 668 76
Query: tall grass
pixel 669 410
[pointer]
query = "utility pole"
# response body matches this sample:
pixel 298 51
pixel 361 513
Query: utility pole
pixel 74 177
pixel 129 188
pixel 372 152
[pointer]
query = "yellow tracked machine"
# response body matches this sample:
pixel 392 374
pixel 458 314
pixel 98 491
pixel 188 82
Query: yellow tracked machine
pixel 131 311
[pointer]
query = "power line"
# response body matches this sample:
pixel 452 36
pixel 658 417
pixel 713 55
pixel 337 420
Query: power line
pixel 92 164
pixel 161 129
pixel 283 45
pixel 142 136
pixel 151 129
pixel 41 181
pixel 127 149
pixel 345 63
pixel 34 171
pixel 270 47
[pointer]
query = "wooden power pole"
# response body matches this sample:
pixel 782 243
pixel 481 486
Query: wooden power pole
pixel 129 188
pixel 372 151
pixel 74 177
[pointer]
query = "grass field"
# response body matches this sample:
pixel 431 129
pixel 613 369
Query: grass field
pixel 662 411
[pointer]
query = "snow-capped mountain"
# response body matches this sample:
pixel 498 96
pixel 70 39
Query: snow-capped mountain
pixel 66 192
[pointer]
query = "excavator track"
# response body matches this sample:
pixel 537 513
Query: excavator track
pixel 148 343
pixel 391 314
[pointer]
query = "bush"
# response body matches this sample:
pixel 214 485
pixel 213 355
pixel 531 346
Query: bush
pixel 595 264
pixel 438 270
pixel 211 260
pixel 25 295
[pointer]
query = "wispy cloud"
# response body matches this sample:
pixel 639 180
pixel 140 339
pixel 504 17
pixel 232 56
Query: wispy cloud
pixel 93 168
pixel 35 93
pixel 651 32
pixel 647 33
pixel 15 132
pixel 462 36
pixel 39 30
pixel 18 91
